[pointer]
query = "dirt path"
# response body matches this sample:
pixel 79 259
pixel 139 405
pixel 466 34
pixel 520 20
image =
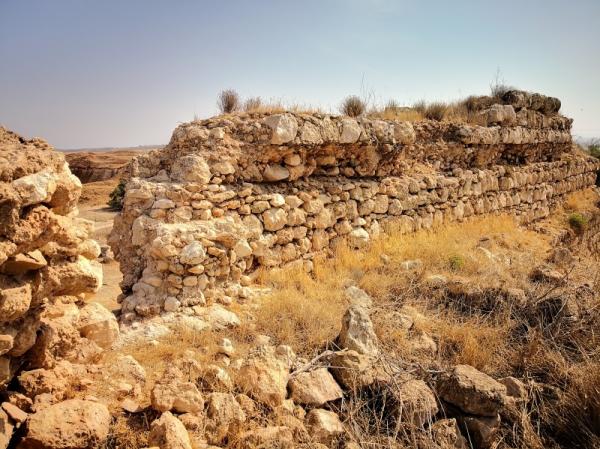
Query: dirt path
pixel 103 222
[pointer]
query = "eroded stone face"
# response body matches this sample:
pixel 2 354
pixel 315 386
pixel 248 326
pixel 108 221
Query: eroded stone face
pixel 288 187
pixel 47 262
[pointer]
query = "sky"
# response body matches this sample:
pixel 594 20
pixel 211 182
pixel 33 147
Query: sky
pixel 103 73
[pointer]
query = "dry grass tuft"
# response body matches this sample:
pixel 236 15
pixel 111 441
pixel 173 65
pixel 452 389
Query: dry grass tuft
pixel 303 311
pixel 353 106
pixel 228 101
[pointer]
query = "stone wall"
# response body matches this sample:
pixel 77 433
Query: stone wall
pixel 234 193
pixel 47 261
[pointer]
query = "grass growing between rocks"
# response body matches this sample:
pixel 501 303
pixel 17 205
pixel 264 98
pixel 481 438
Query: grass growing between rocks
pixel 304 310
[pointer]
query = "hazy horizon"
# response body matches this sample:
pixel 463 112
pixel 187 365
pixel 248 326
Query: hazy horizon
pixel 124 74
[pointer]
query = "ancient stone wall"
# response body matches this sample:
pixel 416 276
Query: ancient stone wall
pixel 234 193
pixel 47 262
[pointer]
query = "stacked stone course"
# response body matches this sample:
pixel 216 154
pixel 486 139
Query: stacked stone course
pixel 46 257
pixel 234 193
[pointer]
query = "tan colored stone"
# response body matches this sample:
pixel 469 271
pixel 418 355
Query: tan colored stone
pixel 472 391
pixel 324 426
pixel 167 432
pixel 264 377
pixel 72 424
pixel 314 388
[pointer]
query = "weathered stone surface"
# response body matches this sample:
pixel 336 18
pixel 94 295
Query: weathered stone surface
pixel 291 186
pixel 352 369
pixel 446 434
pixel 167 432
pixel 284 127
pixel 357 332
pixel 314 388
pixel 98 324
pixel 45 254
pixel 6 430
pixel 173 392
pixel 415 402
pixel 481 430
pixel 324 426
pixel 472 391
pixel 72 424
pixel 264 377
pixel 271 436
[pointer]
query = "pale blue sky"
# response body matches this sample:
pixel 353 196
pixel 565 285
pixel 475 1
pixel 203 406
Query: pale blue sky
pixel 85 73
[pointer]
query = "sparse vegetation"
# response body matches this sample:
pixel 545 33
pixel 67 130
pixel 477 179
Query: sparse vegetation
pixel 252 104
pixel 498 87
pixel 353 106
pixel 116 196
pixel 578 222
pixel 228 101
pixel 456 262
pixel 594 148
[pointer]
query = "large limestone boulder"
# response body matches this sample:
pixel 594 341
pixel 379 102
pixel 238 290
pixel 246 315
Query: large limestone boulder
pixel 264 376
pixel 472 391
pixel 72 424
pixel 314 388
pixel 167 432
pixel 357 332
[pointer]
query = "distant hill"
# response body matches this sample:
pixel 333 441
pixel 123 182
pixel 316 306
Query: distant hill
pixel 107 149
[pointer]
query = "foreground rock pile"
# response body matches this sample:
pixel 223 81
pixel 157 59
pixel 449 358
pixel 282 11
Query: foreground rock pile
pixel 234 193
pixel 47 265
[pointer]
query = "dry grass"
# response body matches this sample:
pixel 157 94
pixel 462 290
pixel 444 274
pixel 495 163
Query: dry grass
pixel 353 106
pixel 277 106
pixel 228 101
pixel 304 310
pixel 401 114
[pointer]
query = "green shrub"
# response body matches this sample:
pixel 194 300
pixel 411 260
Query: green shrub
pixel 594 150
pixel 456 262
pixel 578 222
pixel 353 106
pixel 116 196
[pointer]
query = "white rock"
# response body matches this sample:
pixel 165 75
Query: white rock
pixel 358 238
pixel 223 168
pixel 191 168
pixel 310 134
pixel 98 324
pixel 284 126
pixel 274 219
pixel 168 432
pixel 404 133
pixel 192 254
pixel 357 332
pixel 37 187
pixel 358 297
pixel 350 131
pixel 242 248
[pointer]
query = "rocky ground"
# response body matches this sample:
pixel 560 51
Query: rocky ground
pixel 478 334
